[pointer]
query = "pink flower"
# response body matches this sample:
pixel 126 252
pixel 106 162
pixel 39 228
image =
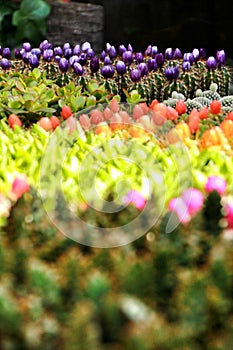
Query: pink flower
pixel 193 199
pixel 229 215
pixel 215 183
pixel 136 198
pixel 179 206
pixel 20 186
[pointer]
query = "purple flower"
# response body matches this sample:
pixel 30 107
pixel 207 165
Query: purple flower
pixel 221 57
pixel 152 64
pixel 179 206
pixel 68 53
pixel 86 46
pixel 108 47
pixel 17 53
pixel 202 52
pixel 26 56
pixel 216 183
pixel 121 49
pixel 66 46
pixel 58 51
pixel 159 59
pixel 112 52
pixel 33 60
pixel 136 198
pixel 90 53
pixel 107 71
pixel 36 51
pixel 188 56
pixel 127 57
pixel 172 73
pixel 211 63
pixel 139 57
pixel 102 55
pixel 193 199
pixel 78 69
pixel 73 59
pixel 45 45
pixel 196 54
pixel 27 46
pixel 143 68
pixel 76 50
pixel 107 60
pixel 120 67
pixel 177 54
pixel 135 75
pixel 6 53
pixel 94 64
pixel 154 51
pixel 169 53
pixel 130 48
pixel 57 58
pixel 83 59
pixel 63 64
pixel 148 50
pixel 186 66
pixel 48 55
pixel 5 64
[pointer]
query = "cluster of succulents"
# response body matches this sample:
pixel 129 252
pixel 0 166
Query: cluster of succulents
pixel 154 74
pixel 202 99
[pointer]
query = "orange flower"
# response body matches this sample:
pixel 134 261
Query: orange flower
pixel 227 127
pixel 215 107
pixel 194 121
pixel 203 113
pixel 213 137
pixel 181 107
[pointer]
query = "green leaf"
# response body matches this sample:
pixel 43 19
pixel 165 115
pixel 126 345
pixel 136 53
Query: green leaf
pixel 91 101
pixel 36 73
pixel 14 104
pixel 31 10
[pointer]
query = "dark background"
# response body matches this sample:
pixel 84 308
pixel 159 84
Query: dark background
pixel 169 23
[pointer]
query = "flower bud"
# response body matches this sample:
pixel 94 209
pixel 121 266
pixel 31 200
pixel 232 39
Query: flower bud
pixel 66 46
pixel 107 71
pixel 130 48
pixel 139 57
pixel 196 54
pixel 135 75
pixel 107 60
pixel 221 57
pixel 36 51
pixel 148 50
pixel 6 53
pixel 17 53
pixel 102 55
pixel 73 59
pixel 127 57
pixel 202 52
pixel 159 59
pixel 78 69
pixel 86 46
pixel 186 66
pixel 112 52
pixel 33 60
pixel 68 53
pixel 188 56
pixel 171 73
pixel 58 51
pixel 211 63
pixel 94 64
pixel 63 64
pixel 90 53
pixel 143 68
pixel 5 64
pixel 76 50
pixel 177 54
pixel 120 67
pixel 154 51
pixel 83 59
pixel 48 55
pixel 27 46
pixel 169 53
pixel 152 64
pixel 121 49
